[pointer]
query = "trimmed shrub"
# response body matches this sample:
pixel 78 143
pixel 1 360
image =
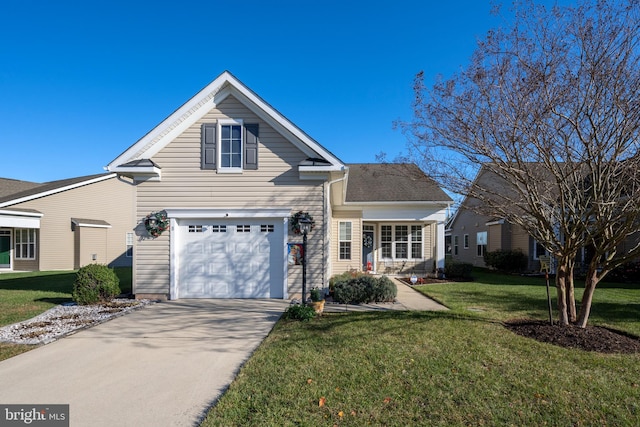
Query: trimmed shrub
pixel 303 313
pixel 364 289
pixel 385 290
pixel 95 283
pixel 343 278
pixel 458 270
pixel 507 261
pixel 626 273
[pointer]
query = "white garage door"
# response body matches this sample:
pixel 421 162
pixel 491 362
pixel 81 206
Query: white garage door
pixel 241 258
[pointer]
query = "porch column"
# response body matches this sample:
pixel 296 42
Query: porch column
pixel 440 245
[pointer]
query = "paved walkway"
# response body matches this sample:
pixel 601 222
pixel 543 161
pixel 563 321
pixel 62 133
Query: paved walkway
pixel 407 299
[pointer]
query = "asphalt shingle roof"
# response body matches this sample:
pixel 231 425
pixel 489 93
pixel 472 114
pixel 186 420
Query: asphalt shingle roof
pixel 392 182
pixel 12 186
pixel 11 191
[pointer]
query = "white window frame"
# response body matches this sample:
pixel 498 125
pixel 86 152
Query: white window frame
pixel 129 244
pixel 345 239
pixel 535 250
pixel 384 243
pixel 17 246
pixel 465 241
pixel 400 243
pixel 415 238
pixel 229 122
pixel 482 248
pixel 390 242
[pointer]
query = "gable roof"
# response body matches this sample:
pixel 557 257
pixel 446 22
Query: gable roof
pixel 11 186
pixel 200 104
pixel 35 191
pixel 391 182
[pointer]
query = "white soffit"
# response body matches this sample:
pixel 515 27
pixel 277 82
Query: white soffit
pixel 17 219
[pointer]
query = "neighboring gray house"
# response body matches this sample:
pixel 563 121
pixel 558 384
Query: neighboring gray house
pixel 229 171
pixel 66 224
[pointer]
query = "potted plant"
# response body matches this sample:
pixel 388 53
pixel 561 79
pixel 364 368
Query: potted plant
pixel 317 300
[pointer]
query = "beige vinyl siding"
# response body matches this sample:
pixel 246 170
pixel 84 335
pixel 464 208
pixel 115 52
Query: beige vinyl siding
pixel 355 263
pixel 468 222
pixel 110 200
pixel 184 184
pixel 430 238
pixel 494 238
pixel 519 239
pixel 90 242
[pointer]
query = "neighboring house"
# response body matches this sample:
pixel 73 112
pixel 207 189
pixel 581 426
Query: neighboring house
pixel 470 233
pixel 229 171
pixel 66 224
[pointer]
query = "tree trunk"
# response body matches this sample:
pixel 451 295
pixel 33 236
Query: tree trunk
pixel 590 283
pixel 561 285
pixel 570 294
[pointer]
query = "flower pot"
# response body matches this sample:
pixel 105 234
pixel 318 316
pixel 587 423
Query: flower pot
pixel 318 306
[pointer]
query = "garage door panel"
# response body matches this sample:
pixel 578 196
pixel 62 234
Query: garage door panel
pixel 232 259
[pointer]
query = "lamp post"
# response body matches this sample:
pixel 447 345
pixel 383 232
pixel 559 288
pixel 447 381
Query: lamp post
pixel 305 227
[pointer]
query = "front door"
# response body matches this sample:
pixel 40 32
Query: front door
pixel 5 251
pixel 367 248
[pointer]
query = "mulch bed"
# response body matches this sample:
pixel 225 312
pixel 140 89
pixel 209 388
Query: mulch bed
pixel 591 338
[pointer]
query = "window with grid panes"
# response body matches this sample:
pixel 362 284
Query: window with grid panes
pixel 416 241
pixel 25 243
pixel 402 241
pixel 386 240
pixel 344 238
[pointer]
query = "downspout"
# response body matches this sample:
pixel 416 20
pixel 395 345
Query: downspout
pixel 327 223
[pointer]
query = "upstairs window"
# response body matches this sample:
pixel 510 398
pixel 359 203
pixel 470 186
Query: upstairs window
pixel 229 145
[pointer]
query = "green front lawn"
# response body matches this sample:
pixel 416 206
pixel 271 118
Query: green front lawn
pixel 25 295
pixel 439 368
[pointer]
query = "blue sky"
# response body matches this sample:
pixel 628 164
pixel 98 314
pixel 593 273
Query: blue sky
pixel 80 81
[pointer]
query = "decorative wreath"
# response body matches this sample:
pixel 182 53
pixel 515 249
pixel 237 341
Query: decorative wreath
pixel 156 223
pixel 295 221
pixel 367 241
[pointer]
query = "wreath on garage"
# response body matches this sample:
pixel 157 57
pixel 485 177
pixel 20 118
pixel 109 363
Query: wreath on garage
pixel 156 223
pixel 295 221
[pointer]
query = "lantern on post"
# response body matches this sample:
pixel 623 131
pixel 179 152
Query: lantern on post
pixel 305 228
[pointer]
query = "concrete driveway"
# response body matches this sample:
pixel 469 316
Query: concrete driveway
pixel 163 365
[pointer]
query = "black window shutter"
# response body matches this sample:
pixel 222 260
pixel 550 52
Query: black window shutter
pixel 208 146
pixel 251 146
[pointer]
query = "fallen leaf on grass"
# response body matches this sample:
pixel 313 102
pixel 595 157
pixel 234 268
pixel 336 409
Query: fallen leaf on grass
pixel 322 401
pixel 387 400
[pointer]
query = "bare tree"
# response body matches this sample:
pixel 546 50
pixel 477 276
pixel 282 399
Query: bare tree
pixel 549 107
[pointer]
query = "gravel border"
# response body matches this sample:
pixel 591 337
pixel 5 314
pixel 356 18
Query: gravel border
pixel 66 319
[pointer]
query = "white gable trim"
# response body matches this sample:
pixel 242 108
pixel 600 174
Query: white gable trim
pixel 194 109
